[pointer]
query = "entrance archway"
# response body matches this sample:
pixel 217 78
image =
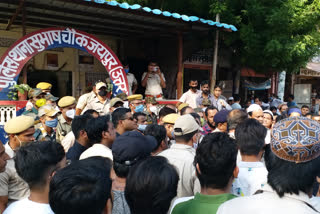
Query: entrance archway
pixel 13 60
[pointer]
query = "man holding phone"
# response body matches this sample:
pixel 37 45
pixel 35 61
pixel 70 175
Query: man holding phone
pixel 153 81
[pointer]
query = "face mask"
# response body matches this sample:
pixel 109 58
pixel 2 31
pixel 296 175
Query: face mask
pixel 154 109
pixel 21 143
pixel 126 104
pixel 193 88
pixel 102 93
pixel 204 109
pixel 142 127
pixel 52 123
pixel 139 108
pixel 41 102
pixel 126 70
pixel 172 134
pixel 71 113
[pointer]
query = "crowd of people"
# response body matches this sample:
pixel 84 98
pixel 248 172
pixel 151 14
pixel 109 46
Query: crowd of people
pixel 206 154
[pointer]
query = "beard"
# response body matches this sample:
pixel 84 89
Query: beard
pixel 210 125
pixel 205 92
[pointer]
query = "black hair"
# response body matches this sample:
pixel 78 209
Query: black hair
pixel 79 123
pixel 95 127
pixel 250 137
pixel 165 111
pixel 186 137
pixel 142 191
pixel 290 177
pixel 157 131
pixel 153 61
pixel 235 117
pixel 193 80
pixel 216 156
pixel 36 160
pixel 281 117
pixel 305 106
pixel 184 109
pixel 137 114
pixel 82 187
pixel 309 114
pixel 125 62
pixel 90 112
pixel 291 96
pixel 119 114
pixel 196 116
pixel 204 82
pixel 273 108
pixel 236 97
pixel 209 108
pixel 217 86
pixel 120 169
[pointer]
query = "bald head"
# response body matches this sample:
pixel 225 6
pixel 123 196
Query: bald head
pixel 236 117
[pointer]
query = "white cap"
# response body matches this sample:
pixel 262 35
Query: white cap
pixel 100 85
pixel 185 124
pixel 231 98
pixel 268 112
pixel 254 107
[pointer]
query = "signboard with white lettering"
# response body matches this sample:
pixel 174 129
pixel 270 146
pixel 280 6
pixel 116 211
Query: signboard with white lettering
pixel 13 60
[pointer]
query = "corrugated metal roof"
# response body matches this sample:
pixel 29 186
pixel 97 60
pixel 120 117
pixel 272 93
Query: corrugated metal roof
pixel 158 12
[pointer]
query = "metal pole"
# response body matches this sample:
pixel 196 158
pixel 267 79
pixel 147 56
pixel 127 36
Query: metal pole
pixel 215 57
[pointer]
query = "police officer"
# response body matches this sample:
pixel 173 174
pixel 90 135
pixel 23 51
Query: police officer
pixel 12 188
pixel 151 104
pixel 34 95
pixel 67 107
pixel 49 121
pixel 44 86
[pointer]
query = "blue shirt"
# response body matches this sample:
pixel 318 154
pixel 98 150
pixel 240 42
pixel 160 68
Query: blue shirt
pixel 75 151
pixel 290 104
pixel 236 106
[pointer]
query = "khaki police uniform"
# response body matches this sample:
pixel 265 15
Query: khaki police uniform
pixel 63 127
pixel 11 184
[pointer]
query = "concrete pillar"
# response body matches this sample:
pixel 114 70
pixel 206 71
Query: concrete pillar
pixel 281 85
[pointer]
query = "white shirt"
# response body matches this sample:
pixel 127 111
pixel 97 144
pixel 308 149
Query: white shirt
pixel 252 177
pixel 267 140
pixel 97 150
pixel 190 98
pixel 26 206
pixel 131 82
pixel 268 202
pixel 180 200
pixel 68 141
pixel 153 86
pixel 315 202
pixel 182 156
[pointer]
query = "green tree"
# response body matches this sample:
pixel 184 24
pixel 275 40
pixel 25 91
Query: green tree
pixel 273 34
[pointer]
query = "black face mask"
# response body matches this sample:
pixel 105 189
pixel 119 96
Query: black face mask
pixel 193 88
pixel 102 93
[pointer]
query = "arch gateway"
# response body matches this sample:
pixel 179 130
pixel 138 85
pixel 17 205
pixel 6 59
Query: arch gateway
pixel 14 59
